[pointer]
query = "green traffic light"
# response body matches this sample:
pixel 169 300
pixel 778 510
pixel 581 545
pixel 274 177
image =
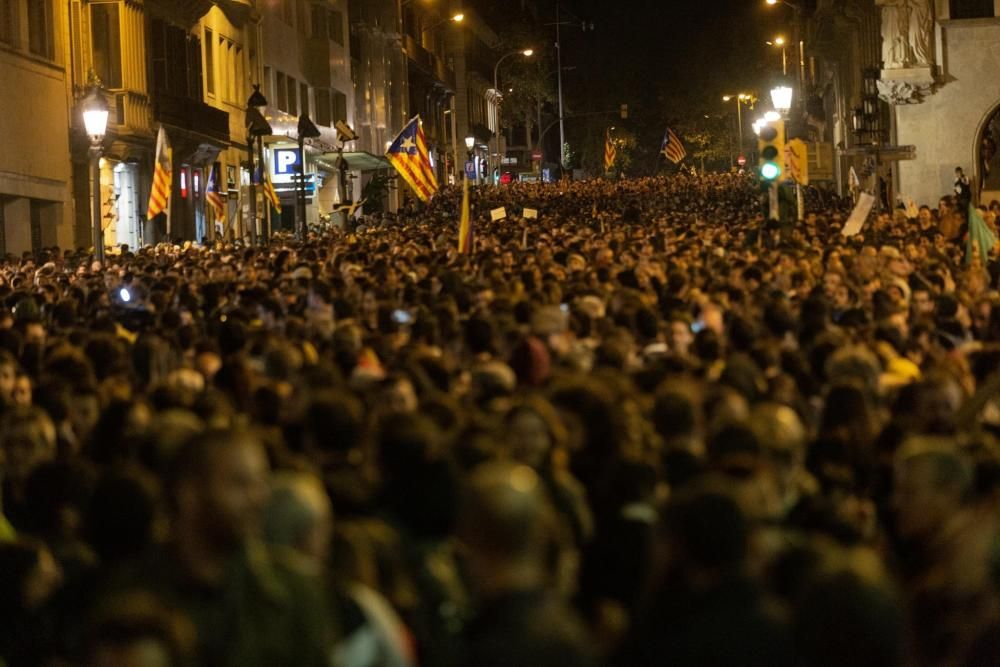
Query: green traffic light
pixel 769 171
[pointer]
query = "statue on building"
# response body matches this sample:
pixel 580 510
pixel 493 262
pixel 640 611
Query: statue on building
pixel 920 38
pixel 895 38
pixel 907 33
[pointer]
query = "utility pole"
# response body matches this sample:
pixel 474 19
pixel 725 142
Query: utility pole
pixel 562 127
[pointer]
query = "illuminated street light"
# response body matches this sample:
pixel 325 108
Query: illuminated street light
pixel 781 97
pixel 458 18
pixel 771 116
pixel 741 99
pixel 95 120
pixel 527 53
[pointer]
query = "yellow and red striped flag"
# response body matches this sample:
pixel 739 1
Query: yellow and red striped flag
pixel 610 152
pixel 212 196
pixel 163 177
pixel 672 147
pixel 409 155
pixel 465 226
pixel 271 193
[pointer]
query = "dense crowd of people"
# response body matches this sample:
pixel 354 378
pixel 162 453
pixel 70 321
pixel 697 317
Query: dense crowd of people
pixel 644 428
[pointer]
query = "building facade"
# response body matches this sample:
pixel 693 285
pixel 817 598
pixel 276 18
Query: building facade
pixel 36 203
pixel 476 102
pixel 940 77
pixel 186 66
pixel 431 79
pixel 307 71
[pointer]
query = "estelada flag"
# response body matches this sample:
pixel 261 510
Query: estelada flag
pixel 212 196
pixel 672 148
pixel 409 155
pixel 163 177
pixel 465 226
pixel 610 152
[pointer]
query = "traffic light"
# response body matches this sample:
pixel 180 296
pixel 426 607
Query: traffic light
pixel 771 147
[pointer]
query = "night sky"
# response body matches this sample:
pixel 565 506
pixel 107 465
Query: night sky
pixel 642 48
pixel 668 59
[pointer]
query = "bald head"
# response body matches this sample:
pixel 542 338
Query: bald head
pixel 505 514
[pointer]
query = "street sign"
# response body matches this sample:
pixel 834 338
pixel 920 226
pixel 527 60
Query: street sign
pixel 470 170
pixel 742 160
pixel 286 161
pixel 536 156
pixel 797 161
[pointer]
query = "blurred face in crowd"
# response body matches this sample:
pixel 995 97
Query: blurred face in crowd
pixel 147 652
pixel 680 336
pixel 28 445
pixel 8 379
pixel 229 497
pixel 528 438
pixel 43 580
pixel 400 397
pixel 922 502
pixel 22 393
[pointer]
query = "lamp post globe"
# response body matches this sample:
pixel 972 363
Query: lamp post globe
pixel 95 115
pixel 781 97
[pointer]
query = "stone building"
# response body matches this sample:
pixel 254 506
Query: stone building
pixel 36 206
pixel 940 60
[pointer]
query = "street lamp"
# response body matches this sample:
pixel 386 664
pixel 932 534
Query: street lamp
pixel 470 141
pixel 95 121
pixel 307 130
pixel 781 97
pixel 780 41
pixel 257 128
pixel 741 99
pixel 527 53
pixel 454 18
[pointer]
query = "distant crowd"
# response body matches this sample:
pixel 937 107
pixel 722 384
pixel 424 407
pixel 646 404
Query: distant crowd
pixel 647 427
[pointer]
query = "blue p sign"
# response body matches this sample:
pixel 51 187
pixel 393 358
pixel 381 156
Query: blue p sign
pixel 286 161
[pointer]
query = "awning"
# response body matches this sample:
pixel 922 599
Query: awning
pixel 356 161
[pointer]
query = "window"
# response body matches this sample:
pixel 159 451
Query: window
pixel 8 30
pixel 105 36
pixel 324 111
pixel 176 61
pixel 40 28
pixel 971 9
pixel 265 84
pixel 304 98
pixel 282 92
pixel 335 25
pixel 209 61
pixel 339 106
pixel 319 22
pixel 293 96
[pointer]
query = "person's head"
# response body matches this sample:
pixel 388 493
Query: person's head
pixel 299 516
pixel 706 534
pixel 959 172
pixel 27 439
pixel 533 429
pixel 8 377
pixel 505 525
pixel 29 576
pixel 136 629
pixel 931 481
pixel 219 487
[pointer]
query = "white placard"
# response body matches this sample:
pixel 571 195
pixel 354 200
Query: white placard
pixel 530 214
pixel 498 214
pixel 858 215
